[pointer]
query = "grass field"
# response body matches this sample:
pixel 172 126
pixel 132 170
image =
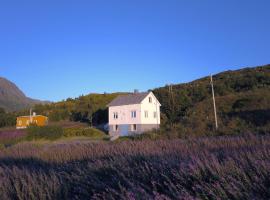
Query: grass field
pixel 232 167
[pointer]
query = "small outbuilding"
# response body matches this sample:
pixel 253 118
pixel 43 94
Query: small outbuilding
pixel 24 121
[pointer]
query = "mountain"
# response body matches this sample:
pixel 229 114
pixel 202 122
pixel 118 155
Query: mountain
pixel 12 98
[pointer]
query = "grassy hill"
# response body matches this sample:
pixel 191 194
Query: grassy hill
pixel 242 98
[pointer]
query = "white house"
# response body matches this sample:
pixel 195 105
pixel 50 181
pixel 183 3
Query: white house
pixel 133 114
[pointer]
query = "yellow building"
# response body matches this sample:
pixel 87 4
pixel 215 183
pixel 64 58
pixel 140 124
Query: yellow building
pixel 24 121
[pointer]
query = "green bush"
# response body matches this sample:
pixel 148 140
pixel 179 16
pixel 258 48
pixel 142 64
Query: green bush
pixel 45 132
pixel 87 132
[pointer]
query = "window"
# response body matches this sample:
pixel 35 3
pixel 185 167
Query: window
pixel 115 115
pixel 133 114
pixel 20 122
pixel 155 114
pixel 146 114
pixel 27 122
pixel 150 99
pixel 133 127
pixel 115 127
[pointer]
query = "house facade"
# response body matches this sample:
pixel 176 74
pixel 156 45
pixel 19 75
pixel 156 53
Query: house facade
pixel 134 114
pixel 25 121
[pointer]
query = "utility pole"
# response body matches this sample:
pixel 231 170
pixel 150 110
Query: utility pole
pixel 214 101
pixel 31 116
pixel 157 114
pixel 171 104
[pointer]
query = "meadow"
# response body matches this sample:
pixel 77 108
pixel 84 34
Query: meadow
pixel 221 167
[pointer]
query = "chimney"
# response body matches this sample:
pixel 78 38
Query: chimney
pixel 136 91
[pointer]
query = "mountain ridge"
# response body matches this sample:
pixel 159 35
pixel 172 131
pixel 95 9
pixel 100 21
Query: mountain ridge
pixel 12 97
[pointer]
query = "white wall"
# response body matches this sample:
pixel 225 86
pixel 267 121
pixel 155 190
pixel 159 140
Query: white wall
pixel 151 108
pixel 124 114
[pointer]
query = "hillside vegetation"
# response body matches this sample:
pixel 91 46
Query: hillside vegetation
pixel 89 108
pixel 242 98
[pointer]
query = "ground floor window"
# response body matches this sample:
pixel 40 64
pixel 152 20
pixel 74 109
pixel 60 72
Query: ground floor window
pixel 133 127
pixel 115 127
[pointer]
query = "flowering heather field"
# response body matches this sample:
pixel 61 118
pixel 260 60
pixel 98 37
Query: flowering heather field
pixel 207 168
pixel 11 136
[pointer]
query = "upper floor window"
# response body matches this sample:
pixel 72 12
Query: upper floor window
pixel 146 114
pixel 115 115
pixel 150 99
pixel 155 114
pixel 133 114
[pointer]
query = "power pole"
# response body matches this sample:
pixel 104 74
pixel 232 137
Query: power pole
pixel 214 101
pixel 171 104
pixel 30 116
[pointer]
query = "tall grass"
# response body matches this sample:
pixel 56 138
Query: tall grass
pixel 235 167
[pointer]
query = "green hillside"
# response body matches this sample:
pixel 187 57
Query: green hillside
pixel 242 98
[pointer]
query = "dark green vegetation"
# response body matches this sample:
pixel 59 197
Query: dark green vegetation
pixel 7 119
pixel 12 98
pixel 89 108
pixel 10 137
pixel 242 98
pixel 46 132
pixel 225 167
pixel 56 132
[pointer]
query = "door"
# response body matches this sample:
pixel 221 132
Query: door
pixel 124 130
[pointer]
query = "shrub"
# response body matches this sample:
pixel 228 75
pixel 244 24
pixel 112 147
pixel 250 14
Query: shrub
pixel 45 132
pixel 87 132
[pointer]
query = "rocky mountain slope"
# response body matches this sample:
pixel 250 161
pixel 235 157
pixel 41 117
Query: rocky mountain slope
pixel 12 98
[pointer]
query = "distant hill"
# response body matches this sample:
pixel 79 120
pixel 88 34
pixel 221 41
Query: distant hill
pixel 12 98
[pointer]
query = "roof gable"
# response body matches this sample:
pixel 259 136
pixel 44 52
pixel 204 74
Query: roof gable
pixel 151 94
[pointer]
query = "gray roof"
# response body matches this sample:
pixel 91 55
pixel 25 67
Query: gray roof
pixel 134 98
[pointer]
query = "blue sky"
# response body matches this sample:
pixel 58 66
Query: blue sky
pixel 55 49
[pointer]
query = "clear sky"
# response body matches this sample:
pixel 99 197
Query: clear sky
pixel 55 49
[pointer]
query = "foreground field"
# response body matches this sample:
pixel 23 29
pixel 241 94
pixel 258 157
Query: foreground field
pixel 206 168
